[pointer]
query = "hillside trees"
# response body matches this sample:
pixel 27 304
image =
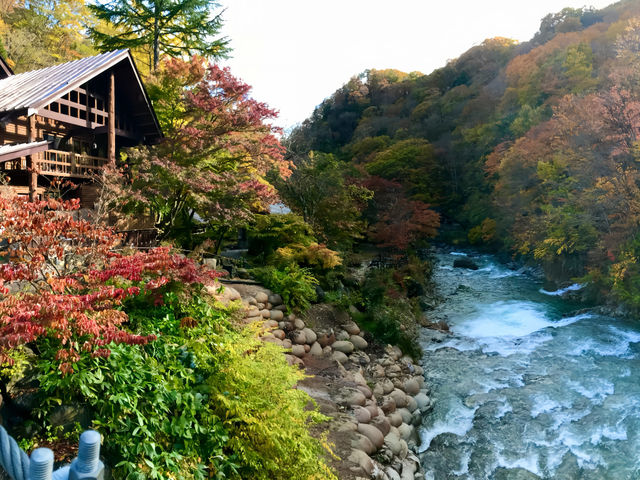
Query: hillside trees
pixel 42 32
pixel 208 175
pixel 321 190
pixel 160 27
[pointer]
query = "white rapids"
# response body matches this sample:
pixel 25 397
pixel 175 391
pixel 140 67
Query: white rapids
pixel 524 389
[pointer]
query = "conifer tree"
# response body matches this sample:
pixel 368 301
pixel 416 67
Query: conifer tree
pixel 157 27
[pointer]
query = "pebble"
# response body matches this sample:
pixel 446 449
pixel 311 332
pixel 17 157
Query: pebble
pixel 265 313
pixel 299 324
pixel 286 343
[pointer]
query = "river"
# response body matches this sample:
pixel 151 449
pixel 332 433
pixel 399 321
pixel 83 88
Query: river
pixel 523 388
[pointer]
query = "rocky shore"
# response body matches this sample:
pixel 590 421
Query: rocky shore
pixel 375 395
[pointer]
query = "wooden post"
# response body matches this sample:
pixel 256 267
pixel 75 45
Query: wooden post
pixel 32 161
pixel 111 128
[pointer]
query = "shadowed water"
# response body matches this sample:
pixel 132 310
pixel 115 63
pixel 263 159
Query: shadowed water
pixel 523 389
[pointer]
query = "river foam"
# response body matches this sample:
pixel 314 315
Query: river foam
pixel 521 383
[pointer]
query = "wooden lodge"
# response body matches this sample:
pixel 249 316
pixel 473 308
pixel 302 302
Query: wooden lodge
pixel 69 120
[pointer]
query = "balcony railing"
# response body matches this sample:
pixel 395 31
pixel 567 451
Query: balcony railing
pixel 69 164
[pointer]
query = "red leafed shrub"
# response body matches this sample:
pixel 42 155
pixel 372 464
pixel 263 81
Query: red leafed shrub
pixel 61 277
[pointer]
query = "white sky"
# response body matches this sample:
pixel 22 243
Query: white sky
pixel 296 53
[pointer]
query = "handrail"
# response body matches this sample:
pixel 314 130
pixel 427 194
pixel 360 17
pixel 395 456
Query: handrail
pixel 58 162
pixel 18 465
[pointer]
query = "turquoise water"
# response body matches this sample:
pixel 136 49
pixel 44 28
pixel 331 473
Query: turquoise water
pixel 523 388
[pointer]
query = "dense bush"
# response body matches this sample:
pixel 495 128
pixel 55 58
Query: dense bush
pixel 294 283
pixel 204 400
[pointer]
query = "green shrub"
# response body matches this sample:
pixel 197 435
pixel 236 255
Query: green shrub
pixel 295 284
pixel 202 401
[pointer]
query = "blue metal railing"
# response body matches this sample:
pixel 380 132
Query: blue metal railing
pixel 18 465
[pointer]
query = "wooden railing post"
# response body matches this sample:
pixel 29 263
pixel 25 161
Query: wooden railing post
pixel 32 162
pixel 111 126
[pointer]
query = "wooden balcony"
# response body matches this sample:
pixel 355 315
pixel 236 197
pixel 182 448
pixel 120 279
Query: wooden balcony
pixel 69 164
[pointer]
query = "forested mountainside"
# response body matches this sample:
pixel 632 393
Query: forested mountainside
pixel 532 147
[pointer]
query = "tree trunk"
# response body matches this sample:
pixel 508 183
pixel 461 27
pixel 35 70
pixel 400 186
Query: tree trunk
pixel 156 40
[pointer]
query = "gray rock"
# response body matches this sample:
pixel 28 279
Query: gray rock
pixel 372 433
pixel 342 335
pixel 409 468
pixel 366 391
pixel 274 299
pixel 276 315
pixel 293 360
pixel 406 415
pixel 298 350
pixel 339 357
pixel 286 343
pixel 387 386
pixel 361 459
pixel 352 328
pixel 265 313
pixel 382 424
pixel 279 334
pixel 400 397
pixel 394 442
pixel 412 387
pixel 406 431
pixel 361 442
pixel 310 335
pixel 362 414
pixel 358 342
pixel 298 337
pixel 349 397
pixel 395 419
pixel 299 324
pixel 423 401
pixel 388 405
pixel 261 297
pixel 316 349
pixel 392 474
pixel 412 405
pixel 343 346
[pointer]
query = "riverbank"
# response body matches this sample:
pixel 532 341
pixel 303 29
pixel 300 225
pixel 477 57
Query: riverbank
pixel 374 395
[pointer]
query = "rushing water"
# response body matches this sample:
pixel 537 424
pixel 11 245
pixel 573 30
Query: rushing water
pixel 524 389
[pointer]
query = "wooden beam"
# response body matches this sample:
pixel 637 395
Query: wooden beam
pixel 111 130
pixel 32 161
pixel 6 157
